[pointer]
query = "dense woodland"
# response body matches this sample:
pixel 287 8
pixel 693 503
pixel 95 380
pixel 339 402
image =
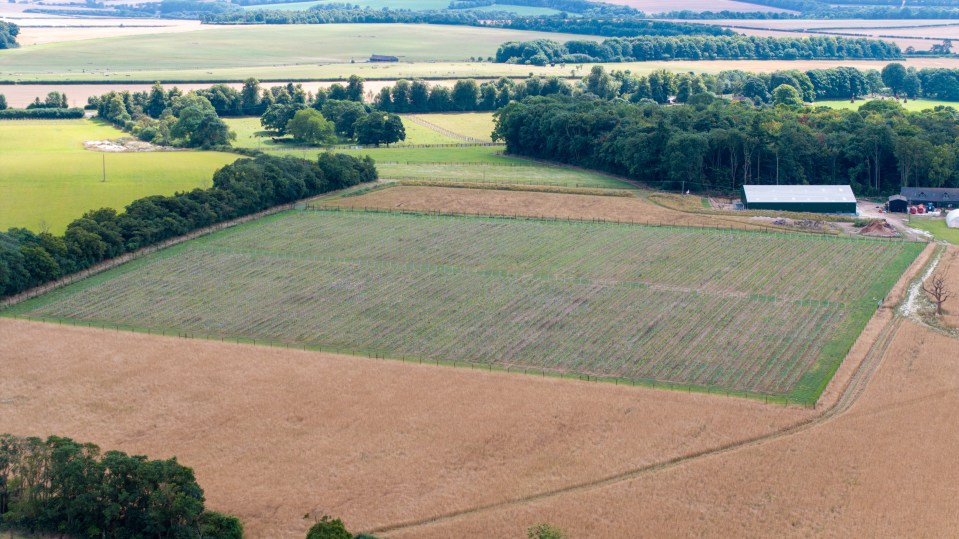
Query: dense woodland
pixel 867 9
pixel 589 24
pixel 59 486
pixel 8 35
pixel 719 145
pixel 29 259
pixel 737 47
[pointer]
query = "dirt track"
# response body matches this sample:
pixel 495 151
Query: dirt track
pixel 885 467
pixel 275 433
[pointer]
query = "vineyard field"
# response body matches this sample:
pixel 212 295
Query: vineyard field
pixel 766 313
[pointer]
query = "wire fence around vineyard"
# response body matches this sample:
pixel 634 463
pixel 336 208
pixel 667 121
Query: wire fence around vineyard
pixel 710 310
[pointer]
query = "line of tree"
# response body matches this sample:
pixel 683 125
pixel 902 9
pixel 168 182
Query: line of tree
pixel 8 35
pixel 54 100
pixel 638 49
pixel 579 7
pixel 610 27
pixel 466 95
pixel 715 144
pixel 59 486
pixel 605 25
pixel 38 114
pixel 29 259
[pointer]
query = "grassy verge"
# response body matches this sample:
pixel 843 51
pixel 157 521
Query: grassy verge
pixel 937 227
pixel 815 380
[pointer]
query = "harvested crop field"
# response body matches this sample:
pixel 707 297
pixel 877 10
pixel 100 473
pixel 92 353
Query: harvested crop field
pixel 608 300
pixel 628 209
pixel 884 468
pixel 275 433
pixel 661 6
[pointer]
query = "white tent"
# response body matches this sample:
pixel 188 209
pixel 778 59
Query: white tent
pixel 952 219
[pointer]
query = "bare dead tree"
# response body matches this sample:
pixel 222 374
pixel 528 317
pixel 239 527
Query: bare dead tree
pixel 938 292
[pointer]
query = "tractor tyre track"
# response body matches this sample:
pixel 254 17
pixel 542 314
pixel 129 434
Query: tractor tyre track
pixel 849 396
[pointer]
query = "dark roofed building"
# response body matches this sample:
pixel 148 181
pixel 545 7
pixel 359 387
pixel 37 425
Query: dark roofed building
pixel 939 196
pixel 805 198
pixel 898 204
pixel 383 58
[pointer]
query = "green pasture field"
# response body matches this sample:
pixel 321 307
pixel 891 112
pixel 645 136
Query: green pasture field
pixel 476 125
pixel 244 49
pixel 456 164
pixel 912 105
pixel 49 179
pixel 250 134
pixel 765 313
pixel 520 172
pixel 419 134
pixel 415 5
pixel 519 10
pixel 937 227
pixel 404 155
pixel 407 4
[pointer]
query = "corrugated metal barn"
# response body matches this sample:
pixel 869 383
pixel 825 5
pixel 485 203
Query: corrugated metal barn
pixel 806 198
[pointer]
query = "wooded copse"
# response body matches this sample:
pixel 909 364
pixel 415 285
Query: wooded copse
pixel 248 186
pixel 596 19
pixel 736 47
pixel 59 486
pixel 834 83
pixel 8 35
pixel 719 145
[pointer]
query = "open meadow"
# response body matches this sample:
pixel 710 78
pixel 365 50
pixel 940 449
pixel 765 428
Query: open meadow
pixel 474 126
pixel 246 49
pixel 914 105
pixel 568 298
pixel 937 227
pixel 48 178
pixel 408 161
pixel 661 6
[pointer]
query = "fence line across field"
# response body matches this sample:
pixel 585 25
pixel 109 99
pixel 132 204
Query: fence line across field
pixel 308 206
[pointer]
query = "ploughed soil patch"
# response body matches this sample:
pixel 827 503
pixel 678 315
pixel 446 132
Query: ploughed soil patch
pixel 534 204
pixel 879 228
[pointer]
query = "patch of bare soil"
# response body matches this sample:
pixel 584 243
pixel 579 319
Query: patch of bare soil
pixel 810 225
pixel 879 228
pixel 275 433
pixel 533 204
pixel 126 144
pixel 886 468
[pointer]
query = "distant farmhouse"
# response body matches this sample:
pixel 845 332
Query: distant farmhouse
pixel 802 198
pixel 383 58
pixel 941 197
